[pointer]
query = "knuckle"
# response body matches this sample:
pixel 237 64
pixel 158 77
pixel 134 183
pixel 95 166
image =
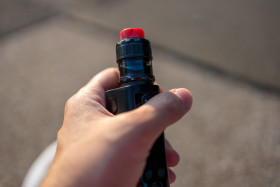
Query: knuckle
pixel 60 139
pixel 59 133
pixel 70 103
pixel 74 102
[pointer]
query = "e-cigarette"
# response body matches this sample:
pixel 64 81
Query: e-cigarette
pixel 134 59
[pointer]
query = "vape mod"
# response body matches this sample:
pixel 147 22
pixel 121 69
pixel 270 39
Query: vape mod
pixel 134 58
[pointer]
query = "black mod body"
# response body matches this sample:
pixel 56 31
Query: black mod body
pixel 134 58
pixel 128 98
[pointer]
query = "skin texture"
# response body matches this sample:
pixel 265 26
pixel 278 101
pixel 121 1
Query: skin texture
pixel 97 148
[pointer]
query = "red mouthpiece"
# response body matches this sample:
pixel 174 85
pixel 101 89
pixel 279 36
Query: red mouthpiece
pixel 132 33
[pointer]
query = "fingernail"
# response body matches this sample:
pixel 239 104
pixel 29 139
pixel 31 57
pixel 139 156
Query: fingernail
pixel 185 96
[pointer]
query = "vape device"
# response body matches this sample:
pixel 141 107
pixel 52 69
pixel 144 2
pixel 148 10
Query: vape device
pixel 134 59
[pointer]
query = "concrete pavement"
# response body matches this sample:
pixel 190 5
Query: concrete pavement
pixel 238 37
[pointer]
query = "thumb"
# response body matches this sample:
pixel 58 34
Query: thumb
pixel 151 119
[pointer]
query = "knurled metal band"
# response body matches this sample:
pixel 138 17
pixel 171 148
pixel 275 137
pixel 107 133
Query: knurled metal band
pixel 133 47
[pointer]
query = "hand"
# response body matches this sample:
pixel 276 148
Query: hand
pixel 97 148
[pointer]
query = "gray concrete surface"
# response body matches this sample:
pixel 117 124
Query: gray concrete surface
pixel 230 137
pixel 16 14
pixel 239 37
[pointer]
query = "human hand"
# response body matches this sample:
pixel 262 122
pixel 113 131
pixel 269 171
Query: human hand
pixel 96 148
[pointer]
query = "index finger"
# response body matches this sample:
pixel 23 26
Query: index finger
pixel 105 80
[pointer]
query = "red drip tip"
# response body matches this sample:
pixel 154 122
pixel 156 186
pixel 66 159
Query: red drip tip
pixel 132 33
